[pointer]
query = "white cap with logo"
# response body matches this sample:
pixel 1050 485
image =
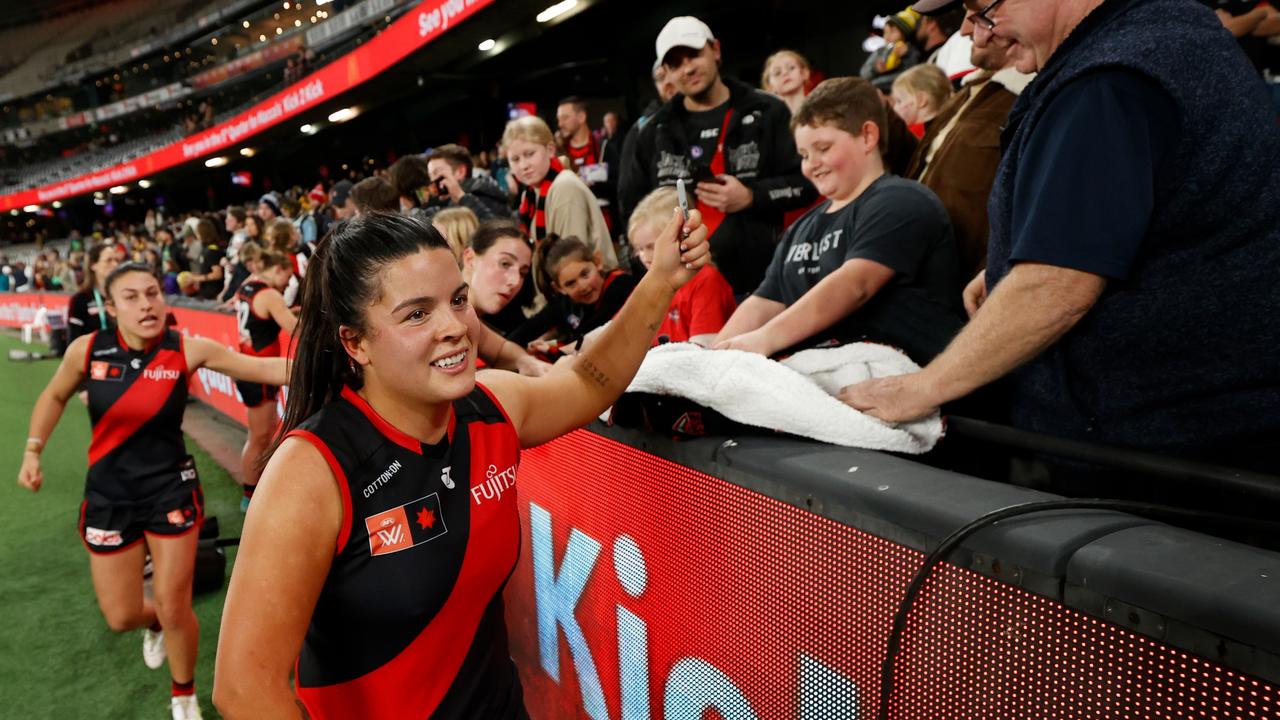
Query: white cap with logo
pixel 683 31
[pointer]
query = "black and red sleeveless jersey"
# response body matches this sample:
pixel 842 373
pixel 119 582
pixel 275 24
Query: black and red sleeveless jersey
pixel 409 623
pixel 259 335
pixel 136 402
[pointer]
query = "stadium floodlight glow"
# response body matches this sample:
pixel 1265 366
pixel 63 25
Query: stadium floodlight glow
pixel 118 190
pixel 279 30
pixel 297 23
pixel 246 24
pixel 556 10
pixel 323 2
pixel 286 4
pixel 214 162
pixel 308 129
pixel 144 184
pixel 57 204
pixel 31 208
pixel 487 45
pixel 13 211
pixel 262 38
pixel 343 115
pixel 248 151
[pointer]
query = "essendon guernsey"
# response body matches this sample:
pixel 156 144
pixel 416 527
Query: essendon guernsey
pixel 409 623
pixel 259 335
pixel 136 401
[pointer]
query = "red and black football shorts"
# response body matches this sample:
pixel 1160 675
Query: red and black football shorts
pixel 254 394
pixel 109 526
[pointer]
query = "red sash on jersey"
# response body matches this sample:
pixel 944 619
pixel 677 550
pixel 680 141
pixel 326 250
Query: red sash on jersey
pixel 712 217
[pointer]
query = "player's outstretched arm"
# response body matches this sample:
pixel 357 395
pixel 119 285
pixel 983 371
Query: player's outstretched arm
pixel 202 352
pixel 574 394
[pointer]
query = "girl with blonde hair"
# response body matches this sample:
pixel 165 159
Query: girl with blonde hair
pixel 919 94
pixel 786 74
pixel 553 200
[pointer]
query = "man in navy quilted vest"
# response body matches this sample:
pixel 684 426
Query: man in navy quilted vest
pixel 1130 295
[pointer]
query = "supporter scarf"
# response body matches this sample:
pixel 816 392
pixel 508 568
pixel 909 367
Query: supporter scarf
pixel 533 203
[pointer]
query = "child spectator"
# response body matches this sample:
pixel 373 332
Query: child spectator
pixel 496 266
pixel 169 280
pixel 897 54
pixel 786 74
pixel 875 260
pixel 582 295
pixel 553 200
pixel 373 194
pixel 700 309
pixel 457 224
pixel 284 238
pixel 918 96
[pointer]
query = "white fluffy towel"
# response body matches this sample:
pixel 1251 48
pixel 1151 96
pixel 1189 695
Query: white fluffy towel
pixel 795 396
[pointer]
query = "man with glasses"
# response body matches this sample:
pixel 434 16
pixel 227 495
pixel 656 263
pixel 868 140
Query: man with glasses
pixel 1129 293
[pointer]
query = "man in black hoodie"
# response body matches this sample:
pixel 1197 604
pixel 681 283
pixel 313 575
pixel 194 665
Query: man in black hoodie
pixel 730 139
pixel 452 185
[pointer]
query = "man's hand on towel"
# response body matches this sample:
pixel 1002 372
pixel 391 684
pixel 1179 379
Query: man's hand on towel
pixel 895 399
pixel 756 341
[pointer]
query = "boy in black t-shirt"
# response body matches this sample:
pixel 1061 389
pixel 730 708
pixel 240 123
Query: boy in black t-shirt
pixel 875 261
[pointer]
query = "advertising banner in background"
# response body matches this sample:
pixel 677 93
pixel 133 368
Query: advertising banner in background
pixel 406 35
pixel 650 591
pixel 18 309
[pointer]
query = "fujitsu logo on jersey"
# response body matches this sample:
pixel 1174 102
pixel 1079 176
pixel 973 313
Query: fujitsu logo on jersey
pixel 161 374
pixel 495 484
pixel 382 479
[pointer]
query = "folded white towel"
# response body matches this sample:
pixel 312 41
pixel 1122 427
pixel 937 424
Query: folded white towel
pixel 795 396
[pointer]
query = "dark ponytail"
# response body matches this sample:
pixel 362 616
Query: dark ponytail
pixel 343 280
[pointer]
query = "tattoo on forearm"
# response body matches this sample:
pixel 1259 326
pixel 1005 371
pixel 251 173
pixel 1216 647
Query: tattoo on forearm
pixel 589 369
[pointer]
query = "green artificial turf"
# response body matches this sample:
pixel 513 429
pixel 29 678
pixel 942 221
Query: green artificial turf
pixel 58 659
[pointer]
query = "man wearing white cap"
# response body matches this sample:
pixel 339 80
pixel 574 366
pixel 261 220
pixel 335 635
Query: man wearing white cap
pixel 1129 291
pixel 728 138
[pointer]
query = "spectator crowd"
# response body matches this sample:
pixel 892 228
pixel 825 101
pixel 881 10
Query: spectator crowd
pixel 1010 209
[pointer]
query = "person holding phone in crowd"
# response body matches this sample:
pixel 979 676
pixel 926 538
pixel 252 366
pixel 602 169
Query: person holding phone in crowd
pixel 732 140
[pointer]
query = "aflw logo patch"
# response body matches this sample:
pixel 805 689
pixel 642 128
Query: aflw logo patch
pixel 103 370
pixel 403 527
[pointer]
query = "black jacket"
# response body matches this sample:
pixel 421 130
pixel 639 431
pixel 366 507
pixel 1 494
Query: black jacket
pixel 481 194
pixel 759 151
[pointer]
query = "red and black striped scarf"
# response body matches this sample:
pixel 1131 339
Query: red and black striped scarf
pixel 533 203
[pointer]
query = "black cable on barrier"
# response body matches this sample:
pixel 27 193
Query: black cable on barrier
pixel 949 543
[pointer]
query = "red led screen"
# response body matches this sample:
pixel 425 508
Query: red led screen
pixel 647 590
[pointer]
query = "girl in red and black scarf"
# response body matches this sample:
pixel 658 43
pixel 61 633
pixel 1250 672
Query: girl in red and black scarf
pixel 553 200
